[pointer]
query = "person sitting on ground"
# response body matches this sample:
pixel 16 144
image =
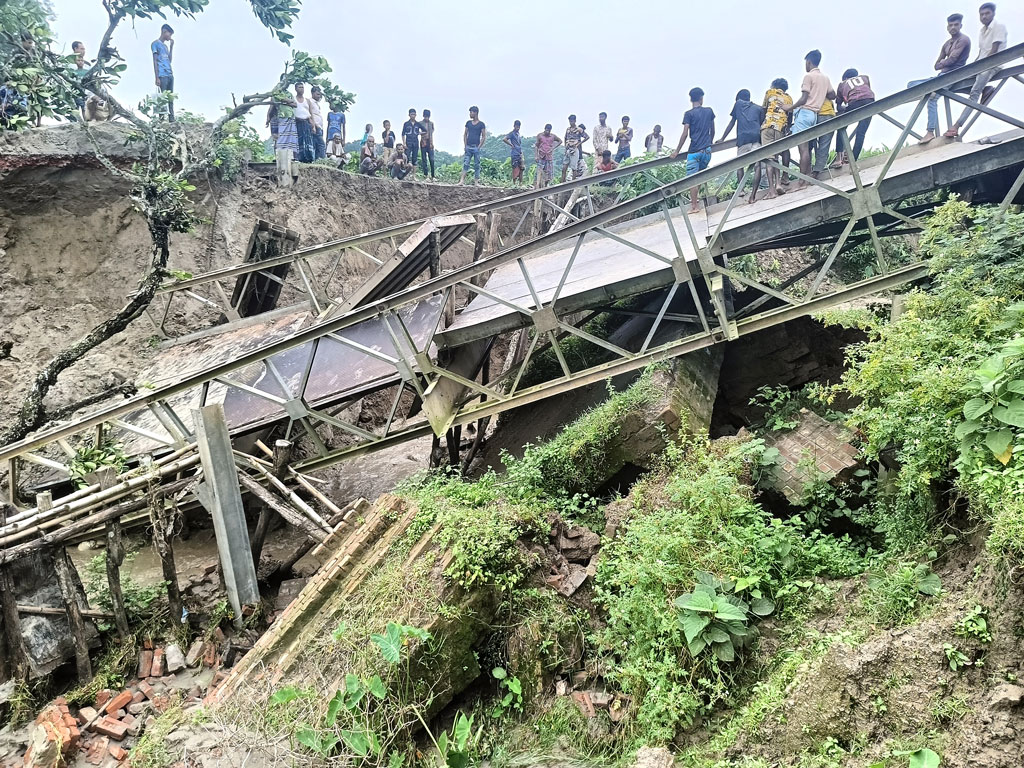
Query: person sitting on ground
pixel 654 141
pixel 546 143
pixel 399 166
pixel 699 125
pixel 774 127
pixel 604 165
pixel 747 118
pixel 369 163
pixel 953 55
pixel 853 93
pixel 622 138
pixel 336 149
pixel 991 40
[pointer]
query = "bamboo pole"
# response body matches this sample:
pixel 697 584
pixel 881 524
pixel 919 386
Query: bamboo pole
pixel 284 510
pixel 281 455
pixel 163 531
pixel 62 566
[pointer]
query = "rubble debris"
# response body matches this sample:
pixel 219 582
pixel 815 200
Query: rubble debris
pixel 578 544
pixel 54 737
pixel 174 659
pixel 815 449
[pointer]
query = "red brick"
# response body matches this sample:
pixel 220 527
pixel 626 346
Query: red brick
pixel 158 663
pixel 103 697
pixel 145 663
pixel 85 714
pixel 117 752
pixel 138 697
pixel 108 726
pixel 146 690
pixel 122 700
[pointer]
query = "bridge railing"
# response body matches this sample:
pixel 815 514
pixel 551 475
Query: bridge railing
pixel 689 263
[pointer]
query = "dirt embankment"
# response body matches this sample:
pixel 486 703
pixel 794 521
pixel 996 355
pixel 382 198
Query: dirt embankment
pixel 72 248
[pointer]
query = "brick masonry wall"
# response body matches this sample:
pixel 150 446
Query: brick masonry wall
pixel 815 448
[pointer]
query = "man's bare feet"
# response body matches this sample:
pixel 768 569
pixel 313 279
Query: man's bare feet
pixel 952 133
pixel 753 197
pixel 928 138
pixel 780 191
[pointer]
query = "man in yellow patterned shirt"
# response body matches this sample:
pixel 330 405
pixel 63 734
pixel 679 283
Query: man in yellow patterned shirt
pixel 774 127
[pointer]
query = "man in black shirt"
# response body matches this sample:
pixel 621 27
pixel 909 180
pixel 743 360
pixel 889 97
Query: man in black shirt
pixel 411 136
pixel 473 138
pixel 747 118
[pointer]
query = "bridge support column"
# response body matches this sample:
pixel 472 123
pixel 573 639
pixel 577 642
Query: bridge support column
pixel 220 495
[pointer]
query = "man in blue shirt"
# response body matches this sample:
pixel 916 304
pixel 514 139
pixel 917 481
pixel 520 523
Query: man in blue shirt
pixel 163 52
pixel 515 140
pixel 699 125
pixel 473 138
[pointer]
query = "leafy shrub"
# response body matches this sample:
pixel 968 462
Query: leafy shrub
pixel 713 617
pixel 894 592
pixel 915 375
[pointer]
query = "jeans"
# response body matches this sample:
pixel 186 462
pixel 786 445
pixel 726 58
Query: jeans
pixel 858 133
pixel 472 153
pixel 167 84
pixel 621 155
pixel 319 148
pixel 980 82
pixel 427 153
pixel 933 105
pixel 304 131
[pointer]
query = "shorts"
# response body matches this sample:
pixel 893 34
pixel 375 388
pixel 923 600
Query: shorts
pixel 768 135
pixel 803 119
pixel 745 148
pixel 697 161
pixel 517 161
pixel 546 165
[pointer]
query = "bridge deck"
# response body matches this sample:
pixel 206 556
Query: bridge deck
pixel 605 270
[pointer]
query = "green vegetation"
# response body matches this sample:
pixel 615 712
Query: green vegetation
pixel 937 387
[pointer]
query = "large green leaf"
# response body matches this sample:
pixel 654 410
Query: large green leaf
pixel 376 686
pixel 1012 414
pixel 728 612
pixel 697 645
pixel 693 624
pixel 965 428
pixel 990 371
pixel 976 408
pixel 357 741
pixel 762 606
pixel 699 601
pixel 334 707
pixel 1016 386
pixel 724 651
pixel 929 584
pixel 924 758
pixel 285 695
pixel 716 635
pixel 998 441
pixel 390 643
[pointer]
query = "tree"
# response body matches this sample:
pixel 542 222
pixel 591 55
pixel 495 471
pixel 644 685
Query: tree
pixel 174 152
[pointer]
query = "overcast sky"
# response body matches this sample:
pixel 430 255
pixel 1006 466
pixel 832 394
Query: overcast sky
pixel 539 60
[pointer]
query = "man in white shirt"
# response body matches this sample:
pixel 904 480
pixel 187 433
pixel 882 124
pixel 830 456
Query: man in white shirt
pixel 303 123
pixel 319 146
pixel 602 136
pixel 991 39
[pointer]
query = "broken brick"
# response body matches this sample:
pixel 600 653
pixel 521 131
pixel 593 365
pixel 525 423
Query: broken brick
pixel 103 697
pixel 146 690
pixel 583 702
pixel 117 752
pixel 122 700
pixel 158 663
pixel 108 726
pixel 85 714
pixel 145 663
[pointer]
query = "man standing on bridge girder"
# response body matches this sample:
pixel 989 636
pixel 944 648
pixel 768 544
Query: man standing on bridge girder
pixel 815 90
pixel 952 55
pixel 699 125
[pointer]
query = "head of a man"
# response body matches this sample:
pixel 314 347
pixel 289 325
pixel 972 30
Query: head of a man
pixel 27 41
pixel 547 129
pixel 696 96
pixel 606 155
pixel 369 128
pixel 412 114
pixel 474 113
pixel 572 121
pixel 426 114
pixel 625 121
pixel 370 139
pixel 300 90
pixel 657 130
pixel 78 48
pixel 166 32
pixel 851 72
pixel 316 93
pixel 336 139
pixel 387 125
pixel 516 125
pixel 602 117
pixel 400 147
pixel 986 13
pixel 954 23
pixel 743 95
pixel 812 60
pixel 780 84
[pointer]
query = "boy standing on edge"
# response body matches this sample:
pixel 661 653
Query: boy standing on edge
pixel 622 137
pixel 814 90
pixel 387 141
pixel 747 118
pixel 473 138
pixel 336 123
pixel 515 141
pixel 319 145
pixel 774 127
pixel 602 135
pixel 410 136
pixel 699 125
pixel 991 39
pixel 546 143
pixel 574 138
pixel 163 53
pixel 427 143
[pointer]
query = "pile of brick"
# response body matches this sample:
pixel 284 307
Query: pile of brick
pixel 54 738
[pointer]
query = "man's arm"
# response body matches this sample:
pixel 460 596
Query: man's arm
pixel 170 51
pixel 483 136
pixel 955 51
pixel 558 141
pixel 682 140
pixel 728 129
pixel 804 95
pixel 465 136
pixel 505 139
pixel 156 67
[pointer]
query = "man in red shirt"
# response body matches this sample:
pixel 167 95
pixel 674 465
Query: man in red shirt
pixel 853 92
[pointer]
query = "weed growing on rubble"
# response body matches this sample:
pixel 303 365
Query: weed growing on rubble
pixel 695 514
